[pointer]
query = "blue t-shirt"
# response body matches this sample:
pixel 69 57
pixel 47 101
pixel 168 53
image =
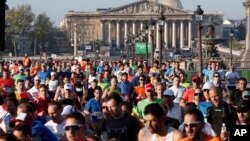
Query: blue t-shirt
pixel 202 106
pixel 126 87
pixel 92 106
pixel 43 75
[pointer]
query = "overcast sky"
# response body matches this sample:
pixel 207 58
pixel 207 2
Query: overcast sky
pixel 55 9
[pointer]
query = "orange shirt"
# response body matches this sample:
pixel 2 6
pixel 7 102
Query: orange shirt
pixel 139 91
pixel 208 138
pixel 188 95
pixel 34 71
pixel 26 61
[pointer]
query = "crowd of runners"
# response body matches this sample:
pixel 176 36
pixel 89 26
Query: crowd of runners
pixel 120 100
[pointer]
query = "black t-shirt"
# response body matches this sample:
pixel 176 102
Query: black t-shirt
pixel 123 129
pixel 79 77
pixel 236 96
pixel 90 94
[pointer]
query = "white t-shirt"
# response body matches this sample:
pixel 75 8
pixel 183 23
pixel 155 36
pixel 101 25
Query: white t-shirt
pixel 178 93
pixel 175 112
pixel 231 78
pixel 56 129
pixel 207 129
pixel 53 85
pixel 34 92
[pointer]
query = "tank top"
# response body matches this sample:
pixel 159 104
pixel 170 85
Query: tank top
pixel 169 135
pixel 53 85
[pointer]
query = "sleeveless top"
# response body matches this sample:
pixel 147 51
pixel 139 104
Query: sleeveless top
pixel 169 135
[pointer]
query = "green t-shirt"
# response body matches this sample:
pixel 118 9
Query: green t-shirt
pixel 142 104
pixel 103 85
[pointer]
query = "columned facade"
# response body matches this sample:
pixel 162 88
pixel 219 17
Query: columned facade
pixel 174 32
pixel 113 26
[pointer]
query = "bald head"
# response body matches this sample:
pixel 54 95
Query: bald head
pixel 215 96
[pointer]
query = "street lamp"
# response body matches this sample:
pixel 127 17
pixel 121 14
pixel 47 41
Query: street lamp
pixel 152 28
pixel 231 35
pixel 146 38
pixel 161 22
pixel 199 17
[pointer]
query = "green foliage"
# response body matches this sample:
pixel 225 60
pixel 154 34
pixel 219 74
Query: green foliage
pixel 19 20
pixel 42 26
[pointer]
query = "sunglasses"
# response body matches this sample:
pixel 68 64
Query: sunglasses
pixel 141 79
pixel 74 127
pixel 196 94
pixel 192 125
pixel 196 81
pixel 216 76
pixel 104 107
pixel 206 90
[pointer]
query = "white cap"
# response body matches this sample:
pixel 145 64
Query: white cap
pixel 67 86
pixel 21 116
pixel 207 85
pixel 36 78
pixel 53 73
pixel 68 109
pixel 21 68
pixel 168 92
pixel 245 93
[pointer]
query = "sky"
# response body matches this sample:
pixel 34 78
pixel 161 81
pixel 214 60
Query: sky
pixel 55 9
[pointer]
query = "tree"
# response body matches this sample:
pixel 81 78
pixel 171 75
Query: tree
pixel 19 19
pixel 42 26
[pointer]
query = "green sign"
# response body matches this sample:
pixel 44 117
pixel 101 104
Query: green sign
pixel 140 48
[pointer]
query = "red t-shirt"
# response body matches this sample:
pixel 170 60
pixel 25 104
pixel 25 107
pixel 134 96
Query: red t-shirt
pixel 188 95
pixel 42 105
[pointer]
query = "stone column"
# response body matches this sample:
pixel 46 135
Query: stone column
pixel 166 33
pixel 141 25
pixel 102 31
pixel 173 35
pixel 133 27
pixel 246 56
pixel 157 36
pixel 189 34
pixel 110 35
pixel 149 36
pixel 182 35
pixel 125 33
pixel 118 34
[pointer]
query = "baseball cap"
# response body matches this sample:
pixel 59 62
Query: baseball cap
pixel 53 73
pixel 196 78
pixel 243 105
pixel 22 117
pixel 207 85
pixel 245 94
pixel 20 68
pixel 168 92
pixel 149 87
pixel 68 109
pixel 67 86
pixel 36 78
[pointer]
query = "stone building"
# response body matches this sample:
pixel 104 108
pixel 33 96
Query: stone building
pixel 113 26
